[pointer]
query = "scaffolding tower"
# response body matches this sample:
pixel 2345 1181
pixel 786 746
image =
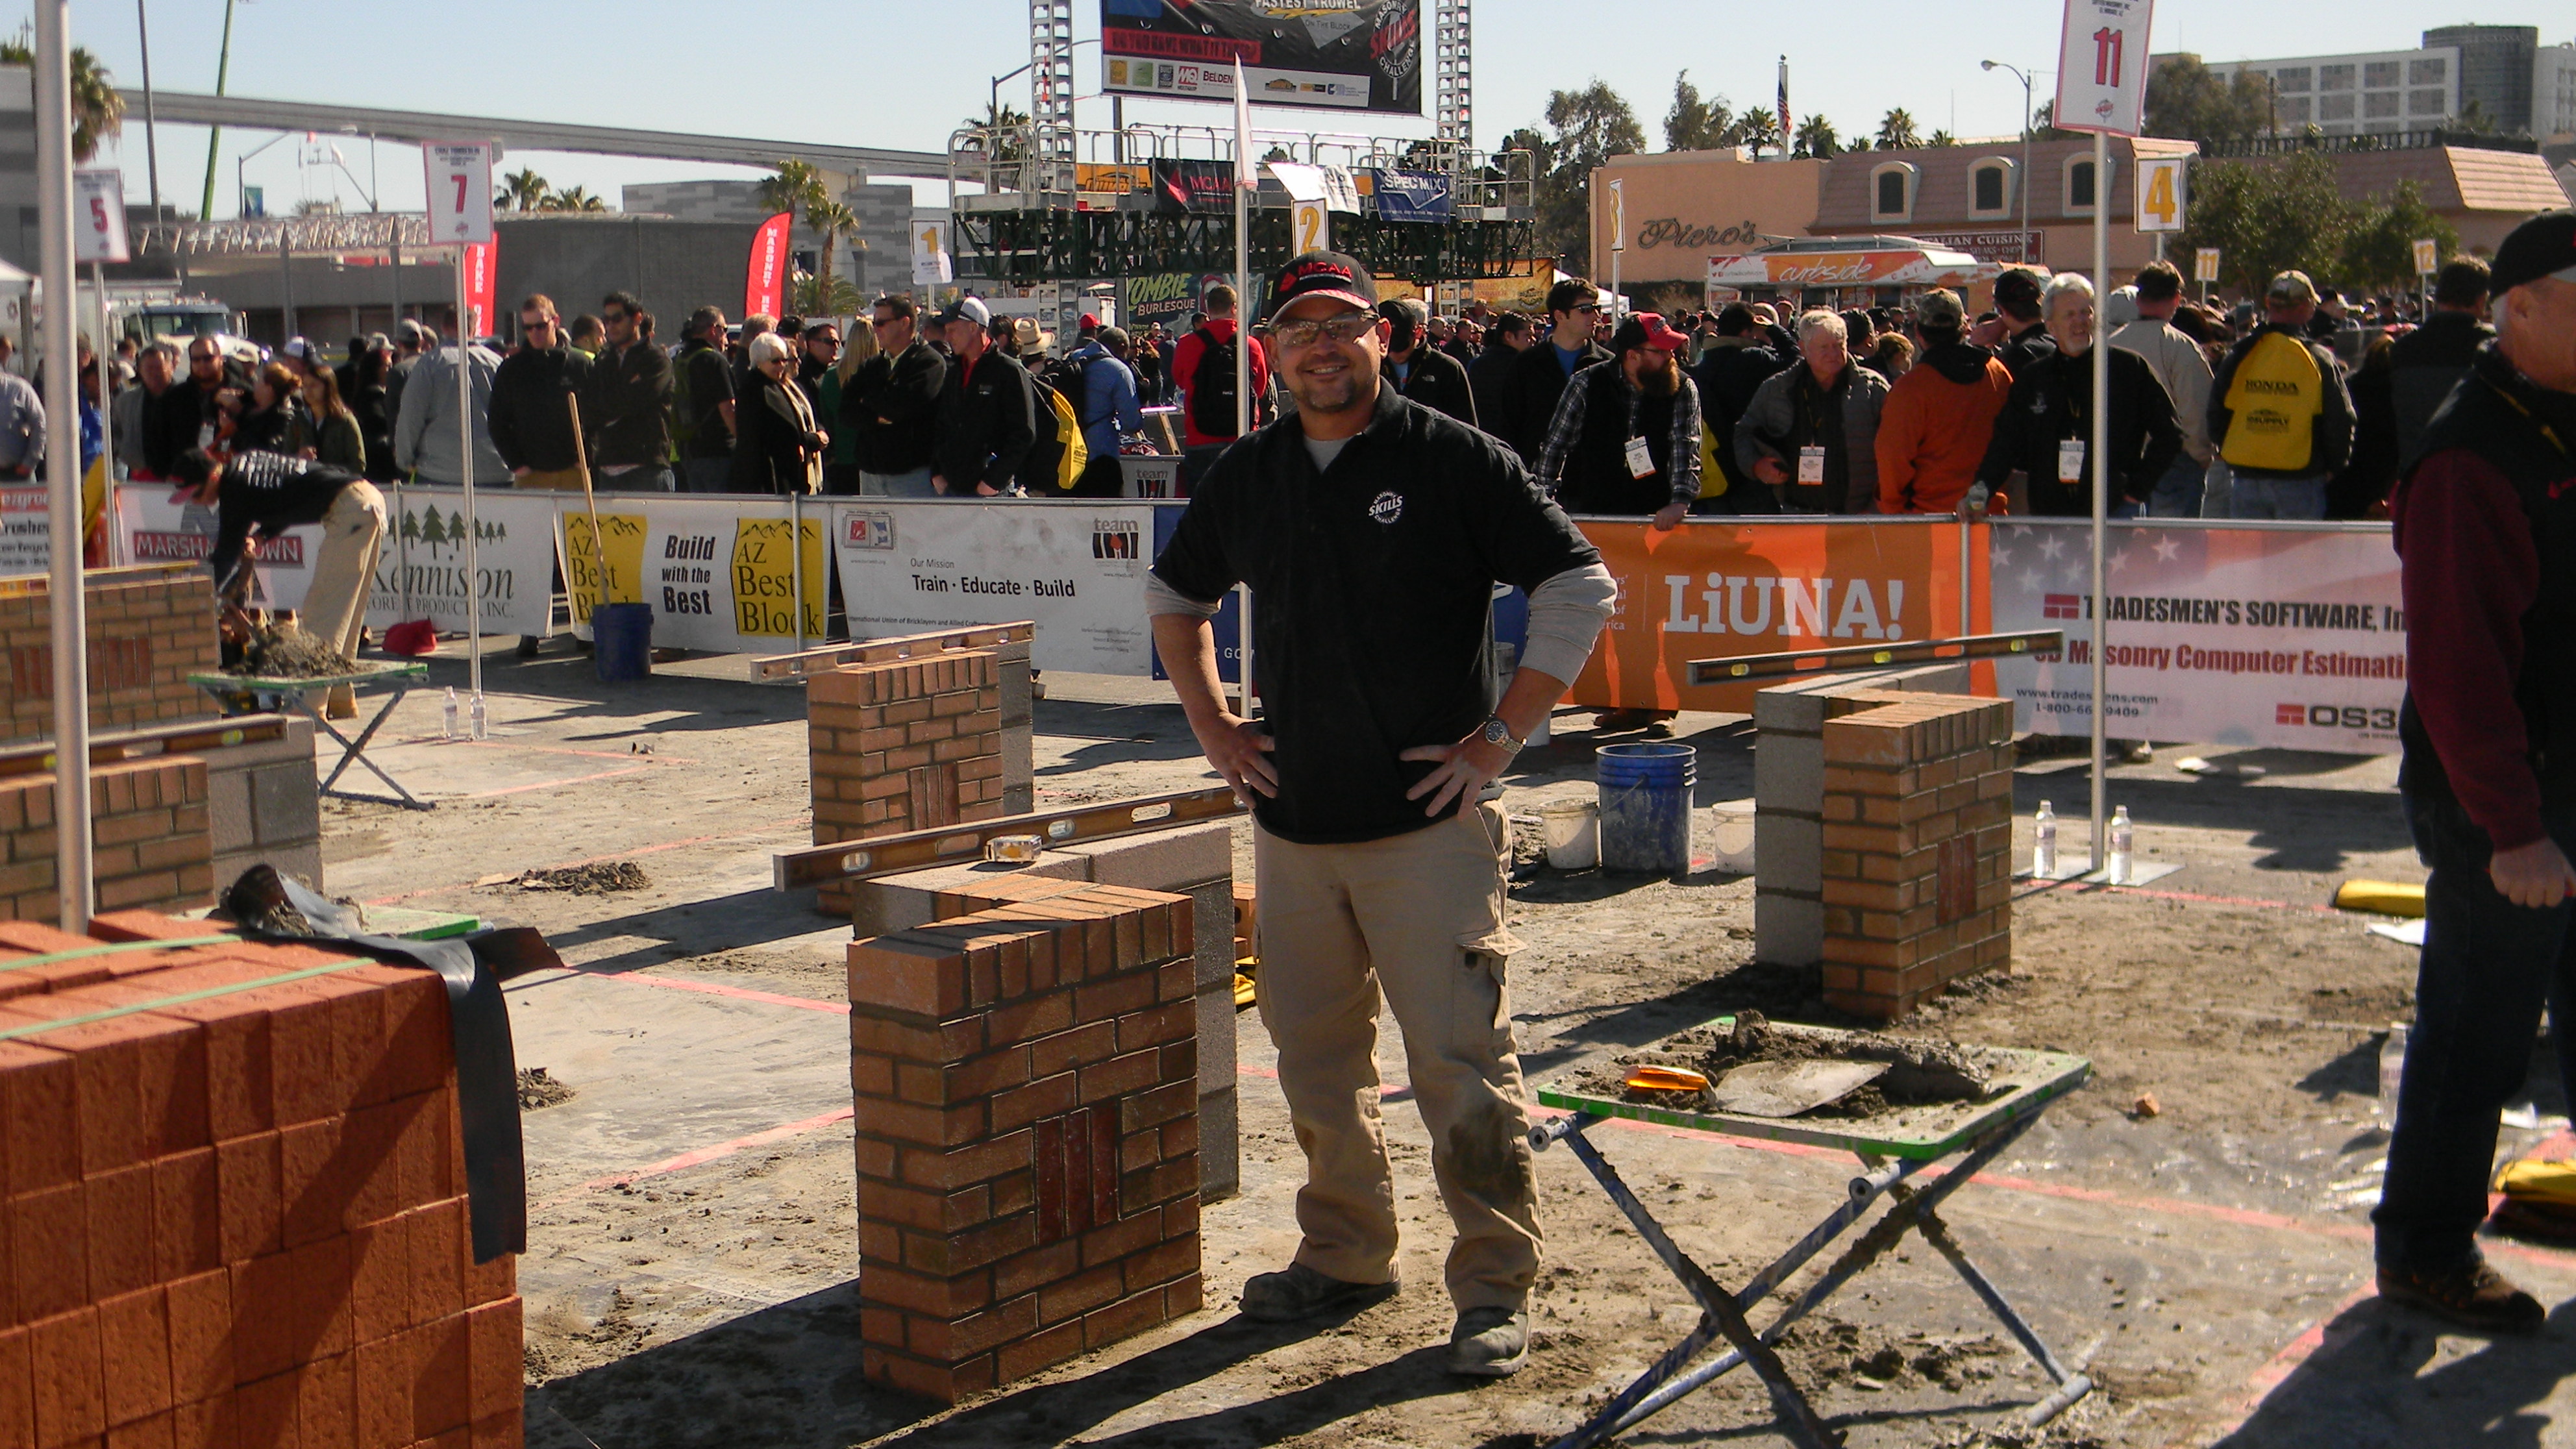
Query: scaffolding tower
pixel 1455 71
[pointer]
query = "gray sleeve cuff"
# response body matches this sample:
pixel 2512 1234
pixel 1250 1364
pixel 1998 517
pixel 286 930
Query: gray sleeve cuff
pixel 1566 615
pixel 1162 598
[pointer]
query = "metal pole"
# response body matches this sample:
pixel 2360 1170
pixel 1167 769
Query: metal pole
pixel 2101 457
pixel 1244 180
pixel 151 132
pixel 285 283
pixel 795 561
pixel 215 135
pixel 465 452
pixel 2026 257
pixel 73 891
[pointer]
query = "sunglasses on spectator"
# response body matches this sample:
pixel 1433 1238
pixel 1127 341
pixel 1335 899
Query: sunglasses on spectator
pixel 1346 327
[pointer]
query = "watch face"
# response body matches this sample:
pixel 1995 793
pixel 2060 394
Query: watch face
pixel 1495 733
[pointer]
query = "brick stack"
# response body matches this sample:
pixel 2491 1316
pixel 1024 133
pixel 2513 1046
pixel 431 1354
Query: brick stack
pixel 149 831
pixel 149 629
pixel 904 745
pixel 1026 1081
pixel 1917 848
pixel 239 1221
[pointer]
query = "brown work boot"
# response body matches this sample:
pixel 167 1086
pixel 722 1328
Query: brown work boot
pixel 2473 1295
pixel 1300 1292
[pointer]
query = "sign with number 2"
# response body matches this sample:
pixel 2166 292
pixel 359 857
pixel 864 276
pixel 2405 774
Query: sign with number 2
pixel 460 191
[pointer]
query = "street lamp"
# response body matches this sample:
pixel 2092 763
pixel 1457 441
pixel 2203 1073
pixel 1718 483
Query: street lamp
pixel 240 192
pixel 2024 186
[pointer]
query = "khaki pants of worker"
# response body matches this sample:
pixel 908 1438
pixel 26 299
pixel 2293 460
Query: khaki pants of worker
pixel 559 480
pixel 1419 917
pixel 335 603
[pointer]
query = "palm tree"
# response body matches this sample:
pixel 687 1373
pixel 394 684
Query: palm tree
pixel 98 112
pixel 832 220
pixel 1896 131
pixel 1004 124
pixel 827 296
pixel 1758 129
pixel 1942 138
pixel 795 186
pixel 577 198
pixel 1816 138
pixel 521 190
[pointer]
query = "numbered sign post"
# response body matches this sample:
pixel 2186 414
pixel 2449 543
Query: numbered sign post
pixel 930 263
pixel 1311 223
pixel 2204 270
pixel 2428 260
pixel 2161 202
pixel 459 176
pixel 98 237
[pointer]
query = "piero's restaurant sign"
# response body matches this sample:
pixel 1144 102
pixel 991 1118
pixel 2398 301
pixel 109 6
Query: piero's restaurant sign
pixel 1682 236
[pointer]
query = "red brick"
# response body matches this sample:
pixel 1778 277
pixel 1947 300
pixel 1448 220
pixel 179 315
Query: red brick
pixel 1081 1046
pixel 39 1106
pixel 17 1389
pixel 1183 1298
pixel 118 1206
pixel 946 1383
pixel 1074 1296
pixel 134 1354
pixel 1113 1241
pixel 442 1373
pixel 1048 1097
pixel 1119 1076
pixel 894 973
pixel 935 1297
pixel 1018 1360
pixel 384 1383
pixel 438 1264
pixel 315 1169
pixel 63 1362
pixel 139 1088
pixel 155 1432
pixel 206 1424
pixel 49 1251
pixel 495 1373
pixel 1123 1319
pixel 955 1340
pixel 299 1033
pixel 958 1167
pixel 187 1222
pixel 201 1336
pixel 380 1279
pixel 249 1181
pixel 505 1429
pixel 1163 1263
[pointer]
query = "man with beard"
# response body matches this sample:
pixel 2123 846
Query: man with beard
pixel 1625 439
pixel 1371 530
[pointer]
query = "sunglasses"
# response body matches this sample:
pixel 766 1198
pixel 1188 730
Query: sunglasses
pixel 1347 327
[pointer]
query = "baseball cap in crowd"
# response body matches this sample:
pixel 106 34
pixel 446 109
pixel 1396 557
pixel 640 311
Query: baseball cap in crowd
pixel 2544 246
pixel 2017 290
pixel 1940 310
pixel 2291 286
pixel 1323 274
pixel 1765 314
pixel 1647 329
pixel 298 348
pixel 966 309
pixel 1090 324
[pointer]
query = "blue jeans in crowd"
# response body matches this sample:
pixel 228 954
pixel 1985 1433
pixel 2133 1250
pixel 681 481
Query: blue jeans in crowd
pixel 2300 498
pixel 915 484
pixel 706 475
pixel 634 480
pixel 2488 968
pixel 2178 493
pixel 2218 490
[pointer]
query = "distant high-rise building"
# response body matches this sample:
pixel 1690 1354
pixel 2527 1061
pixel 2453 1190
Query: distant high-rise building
pixel 2517 85
pixel 2496 67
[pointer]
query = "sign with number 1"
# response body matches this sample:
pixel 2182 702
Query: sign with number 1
pixel 459 177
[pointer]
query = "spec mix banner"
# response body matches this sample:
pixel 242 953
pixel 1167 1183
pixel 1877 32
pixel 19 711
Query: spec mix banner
pixel 1077 568
pixel 2293 637
pixel 1356 55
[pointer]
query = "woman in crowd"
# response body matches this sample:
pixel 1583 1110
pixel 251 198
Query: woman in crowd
pixel 274 421
pixel 776 446
pixel 337 437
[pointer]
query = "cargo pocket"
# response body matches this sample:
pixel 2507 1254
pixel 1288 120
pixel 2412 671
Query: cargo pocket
pixel 1480 1010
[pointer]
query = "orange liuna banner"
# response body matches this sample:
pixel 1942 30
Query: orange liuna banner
pixel 1727 588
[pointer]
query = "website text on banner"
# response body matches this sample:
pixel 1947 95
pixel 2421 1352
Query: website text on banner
pixel 1721 590
pixel 717 571
pixel 1076 568
pixel 2287 635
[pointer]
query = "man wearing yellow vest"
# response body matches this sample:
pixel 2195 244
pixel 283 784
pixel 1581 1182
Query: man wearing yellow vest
pixel 2279 410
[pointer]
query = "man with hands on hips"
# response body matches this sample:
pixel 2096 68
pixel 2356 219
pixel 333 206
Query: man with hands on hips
pixel 1371 531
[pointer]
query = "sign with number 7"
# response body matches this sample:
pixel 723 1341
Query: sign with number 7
pixel 460 191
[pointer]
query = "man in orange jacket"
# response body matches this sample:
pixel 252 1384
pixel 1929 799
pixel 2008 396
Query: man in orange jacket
pixel 1933 432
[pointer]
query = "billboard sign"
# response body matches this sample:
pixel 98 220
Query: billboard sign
pixel 1353 55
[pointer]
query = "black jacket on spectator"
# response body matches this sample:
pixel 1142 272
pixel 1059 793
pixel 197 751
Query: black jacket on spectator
pixel 987 423
pixel 376 425
pixel 2021 348
pixel 773 441
pixel 531 417
pixel 1728 374
pixel 710 387
pixel 271 494
pixel 1538 380
pixel 1489 377
pixel 2052 400
pixel 890 409
pixel 1437 380
pixel 2424 364
pixel 286 428
pixel 171 422
pixel 626 407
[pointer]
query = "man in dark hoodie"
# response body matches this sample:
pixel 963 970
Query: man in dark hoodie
pixel 1539 378
pixel 1418 368
pixel 1940 416
pixel 2020 335
pixel 2425 363
pixel 1489 377
pixel 1730 371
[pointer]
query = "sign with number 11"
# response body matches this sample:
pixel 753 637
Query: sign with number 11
pixel 2097 88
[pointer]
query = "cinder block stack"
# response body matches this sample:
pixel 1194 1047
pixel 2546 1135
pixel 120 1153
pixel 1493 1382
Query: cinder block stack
pixel 902 746
pixel 1026 1083
pixel 1917 848
pixel 151 841
pixel 238 1220
pixel 150 627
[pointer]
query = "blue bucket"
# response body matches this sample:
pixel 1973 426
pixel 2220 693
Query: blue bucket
pixel 622 642
pixel 1645 807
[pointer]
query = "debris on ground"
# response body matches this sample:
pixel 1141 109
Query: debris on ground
pixel 286 652
pixel 1917 1071
pixel 257 901
pixel 539 1090
pixel 597 878
pixel 2146 1106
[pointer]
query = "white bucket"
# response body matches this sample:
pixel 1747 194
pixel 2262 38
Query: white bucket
pixel 1573 832
pixel 1732 837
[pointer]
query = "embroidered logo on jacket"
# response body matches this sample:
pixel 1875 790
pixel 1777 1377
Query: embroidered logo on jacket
pixel 1387 507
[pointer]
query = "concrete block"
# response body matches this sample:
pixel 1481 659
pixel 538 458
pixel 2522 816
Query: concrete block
pixel 286 806
pixel 1018 706
pixel 1161 860
pixel 1790 850
pixel 1019 776
pixel 228 810
pixel 1787 931
pixel 1213 908
pixel 900 902
pixel 1220 1146
pixel 1789 771
pixel 1216 1038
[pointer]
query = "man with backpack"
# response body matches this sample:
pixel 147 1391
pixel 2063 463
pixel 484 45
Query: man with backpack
pixel 2279 410
pixel 987 410
pixel 1102 388
pixel 1203 368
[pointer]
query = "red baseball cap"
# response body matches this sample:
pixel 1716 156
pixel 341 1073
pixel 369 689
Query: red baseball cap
pixel 1648 329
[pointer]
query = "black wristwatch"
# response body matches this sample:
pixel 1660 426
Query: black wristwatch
pixel 1499 733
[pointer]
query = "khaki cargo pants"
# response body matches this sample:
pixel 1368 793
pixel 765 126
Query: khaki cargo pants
pixel 335 602
pixel 1419 917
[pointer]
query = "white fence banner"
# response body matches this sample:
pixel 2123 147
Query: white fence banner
pixel 157 530
pixel 717 571
pixel 1076 567
pixel 2284 635
pixel 26 530
pixel 424 552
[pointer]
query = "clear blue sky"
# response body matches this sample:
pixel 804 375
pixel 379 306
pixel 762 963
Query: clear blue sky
pixel 883 73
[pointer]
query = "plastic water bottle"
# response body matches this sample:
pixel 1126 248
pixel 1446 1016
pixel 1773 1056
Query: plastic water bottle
pixel 450 711
pixel 2123 861
pixel 2043 852
pixel 2392 1069
pixel 478 716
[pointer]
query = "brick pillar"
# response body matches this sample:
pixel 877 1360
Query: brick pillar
pixel 1917 848
pixel 904 745
pixel 1026 1083
pixel 149 830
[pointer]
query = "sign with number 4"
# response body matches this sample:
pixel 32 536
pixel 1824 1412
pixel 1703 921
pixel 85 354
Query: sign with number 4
pixel 459 175
pixel 2160 193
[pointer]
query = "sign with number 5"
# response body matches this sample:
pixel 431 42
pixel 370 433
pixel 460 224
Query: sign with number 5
pixel 460 191
pixel 98 216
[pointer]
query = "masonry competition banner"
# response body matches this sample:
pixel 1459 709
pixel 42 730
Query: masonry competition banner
pixel 1077 568
pixel 424 553
pixel 717 571
pixel 1726 590
pixel 158 531
pixel 26 531
pixel 2287 637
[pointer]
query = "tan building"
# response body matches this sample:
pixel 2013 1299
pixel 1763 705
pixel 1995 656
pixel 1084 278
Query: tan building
pixel 2482 193
pixel 1684 207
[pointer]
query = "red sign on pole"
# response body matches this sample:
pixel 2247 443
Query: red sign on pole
pixel 479 282
pixel 764 285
